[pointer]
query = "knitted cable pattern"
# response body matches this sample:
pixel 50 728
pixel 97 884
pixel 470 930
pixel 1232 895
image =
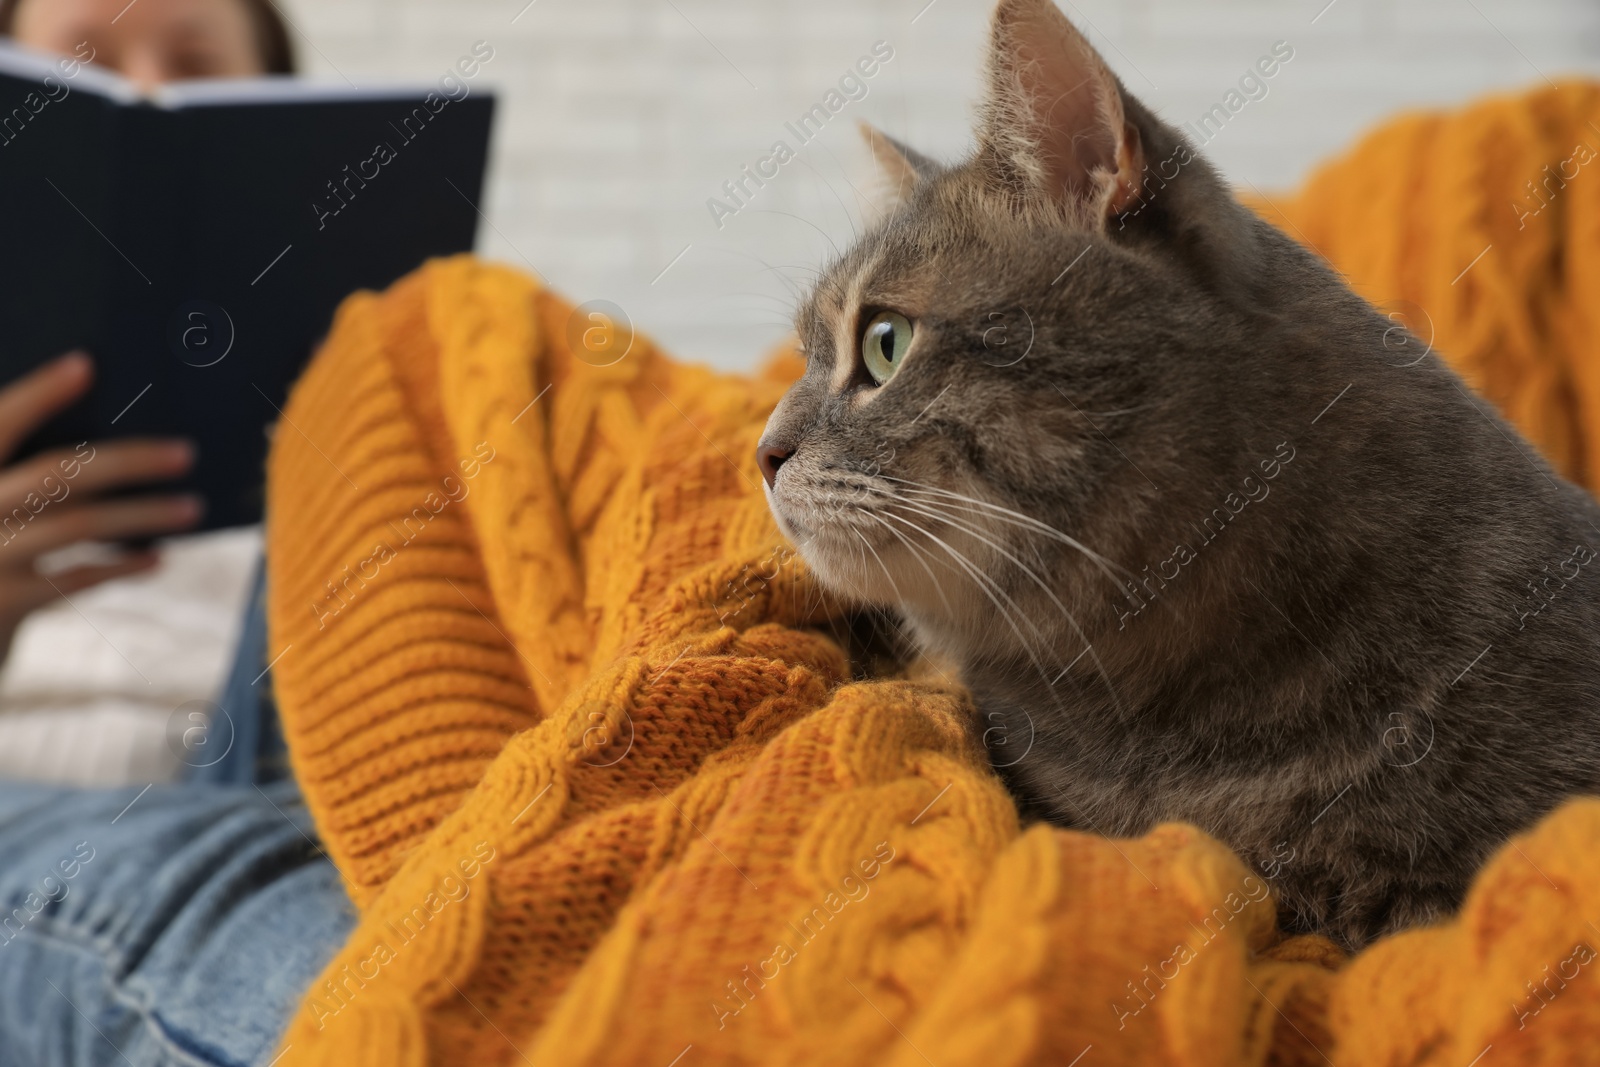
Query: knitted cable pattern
pixel 604 793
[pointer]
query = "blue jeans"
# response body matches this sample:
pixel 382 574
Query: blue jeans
pixel 244 742
pixel 174 925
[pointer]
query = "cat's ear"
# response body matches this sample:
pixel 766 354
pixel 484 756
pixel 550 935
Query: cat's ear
pixel 901 167
pixel 1053 125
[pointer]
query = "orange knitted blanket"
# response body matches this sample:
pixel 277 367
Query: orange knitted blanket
pixel 604 793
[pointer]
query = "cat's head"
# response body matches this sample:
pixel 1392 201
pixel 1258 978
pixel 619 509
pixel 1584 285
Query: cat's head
pixel 1008 360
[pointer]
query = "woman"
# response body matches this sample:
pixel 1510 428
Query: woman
pixel 154 43
pixel 175 925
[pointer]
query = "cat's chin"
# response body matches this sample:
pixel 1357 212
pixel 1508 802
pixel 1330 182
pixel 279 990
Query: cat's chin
pixel 843 567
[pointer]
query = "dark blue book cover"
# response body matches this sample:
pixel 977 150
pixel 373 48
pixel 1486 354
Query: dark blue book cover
pixel 197 242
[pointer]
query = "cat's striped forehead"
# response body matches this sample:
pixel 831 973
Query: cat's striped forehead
pixel 836 312
pixel 877 275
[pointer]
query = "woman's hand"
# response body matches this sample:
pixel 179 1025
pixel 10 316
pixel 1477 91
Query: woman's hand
pixel 49 500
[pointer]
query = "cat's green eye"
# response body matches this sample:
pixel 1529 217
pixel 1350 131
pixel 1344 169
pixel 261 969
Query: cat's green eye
pixel 884 343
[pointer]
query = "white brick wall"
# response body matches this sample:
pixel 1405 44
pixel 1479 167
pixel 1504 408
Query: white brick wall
pixel 619 118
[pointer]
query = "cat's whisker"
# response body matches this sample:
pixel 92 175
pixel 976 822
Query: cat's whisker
pixel 919 555
pixel 837 251
pixel 1021 517
pixel 862 554
pixel 794 288
pixel 855 233
pixel 898 596
pixel 984 582
pixel 866 201
pixel 1018 518
pixel 814 593
pixel 943 516
pixel 1114 414
pixel 988 513
pixel 1040 582
pixel 749 294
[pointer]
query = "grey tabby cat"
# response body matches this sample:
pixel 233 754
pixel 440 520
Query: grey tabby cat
pixel 1206 538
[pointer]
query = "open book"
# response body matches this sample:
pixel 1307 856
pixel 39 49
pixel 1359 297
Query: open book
pixel 196 242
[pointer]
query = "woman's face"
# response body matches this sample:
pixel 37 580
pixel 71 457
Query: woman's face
pixel 148 41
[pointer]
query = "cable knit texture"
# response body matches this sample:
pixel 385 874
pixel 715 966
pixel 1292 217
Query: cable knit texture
pixel 604 793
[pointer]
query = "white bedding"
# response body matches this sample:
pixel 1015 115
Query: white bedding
pixel 90 685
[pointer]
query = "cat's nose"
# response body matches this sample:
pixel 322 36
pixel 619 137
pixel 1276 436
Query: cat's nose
pixel 769 458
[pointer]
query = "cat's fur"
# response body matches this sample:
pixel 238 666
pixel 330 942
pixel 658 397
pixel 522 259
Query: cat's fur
pixel 1348 683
